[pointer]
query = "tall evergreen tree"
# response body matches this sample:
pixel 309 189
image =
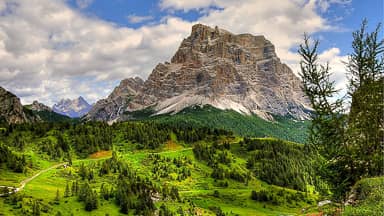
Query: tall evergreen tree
pixel 349 145
pixel 35 208
pixel 57 197
pixel 67 191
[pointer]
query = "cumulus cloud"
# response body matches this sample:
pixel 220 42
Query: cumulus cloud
pixel 49 51
pixel 138 19
pixel 186 5
pixel 325 4
pixel 337 68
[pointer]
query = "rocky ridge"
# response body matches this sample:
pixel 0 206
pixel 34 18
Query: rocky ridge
pixel 73 108
pixel 12 111
pixel 39 107
pixel 212 66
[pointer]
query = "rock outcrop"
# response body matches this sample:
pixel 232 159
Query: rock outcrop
pixel 118 101
pixel 213 66
pixel 12 111
pixel 73 108
pixel 39 107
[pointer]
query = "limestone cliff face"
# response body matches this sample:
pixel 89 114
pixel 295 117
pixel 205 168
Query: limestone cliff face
pixel 118 101
pixel 12 111
pixel 39 107
pixel 213 66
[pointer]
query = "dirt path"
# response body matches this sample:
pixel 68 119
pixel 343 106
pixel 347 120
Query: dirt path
pixel 25 181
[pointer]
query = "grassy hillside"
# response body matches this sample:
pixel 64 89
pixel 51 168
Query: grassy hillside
pixel 164 170
pixel 368 198
pixel 242 125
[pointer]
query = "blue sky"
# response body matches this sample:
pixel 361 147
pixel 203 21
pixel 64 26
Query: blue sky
pixel 53 49
pixel 346 16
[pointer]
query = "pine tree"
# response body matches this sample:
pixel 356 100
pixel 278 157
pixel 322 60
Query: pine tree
pixel 57 197
pixel 350 145
pixel 67 191
pixel 365 121
pixel 73 188
pixel 36 208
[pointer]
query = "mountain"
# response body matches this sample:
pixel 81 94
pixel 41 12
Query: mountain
pixel 73 108
pixel 12 111
pixel 217 68
pixel 45 113
pixel 39 107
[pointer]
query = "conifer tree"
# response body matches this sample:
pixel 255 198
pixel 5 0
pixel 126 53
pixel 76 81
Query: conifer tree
pixel 67 191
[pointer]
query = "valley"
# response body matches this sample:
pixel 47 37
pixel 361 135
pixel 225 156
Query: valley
pixel 174 164
pixel 223 128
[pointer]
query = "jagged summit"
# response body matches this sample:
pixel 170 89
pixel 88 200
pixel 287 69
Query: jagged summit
pixel 213 66
pixel 73 108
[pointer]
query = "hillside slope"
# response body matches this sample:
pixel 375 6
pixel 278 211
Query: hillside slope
pixel 244 125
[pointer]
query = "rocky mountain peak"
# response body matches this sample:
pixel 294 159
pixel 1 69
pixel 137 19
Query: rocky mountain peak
pixel 213 66
pixel 36 106
pixel 127 87
pixel 73 108
pixel 12 111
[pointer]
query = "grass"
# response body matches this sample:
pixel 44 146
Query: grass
pixel 9 178
pixel 369 194
pixel 197 188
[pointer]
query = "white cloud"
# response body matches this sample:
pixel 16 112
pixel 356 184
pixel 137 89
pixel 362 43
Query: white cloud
pixel 138 19
pixel 337 67
pixel 48 50
pixel 186 5
pixel 325 4
pixel 83 3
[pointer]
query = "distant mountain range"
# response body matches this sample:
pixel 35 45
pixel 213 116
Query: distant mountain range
pixel 13 112
pixel 73 108
pixel 215 79
pixel 212 67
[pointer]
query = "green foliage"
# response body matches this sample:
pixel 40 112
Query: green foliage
pixel 279 162
pixel 146 136
pixel 220 159
pixel 349 145
pixel 208 116
pixel 91 137
pixel 57 197
pixel 133 181
pixel 163 167
pixel 13 161
pixel 369 197
pixel 47 116
pixel 36 208
pixel 165 211
pixel 88 196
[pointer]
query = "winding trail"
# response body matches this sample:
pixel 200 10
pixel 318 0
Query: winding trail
pixel 12 190
pixel 25 181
